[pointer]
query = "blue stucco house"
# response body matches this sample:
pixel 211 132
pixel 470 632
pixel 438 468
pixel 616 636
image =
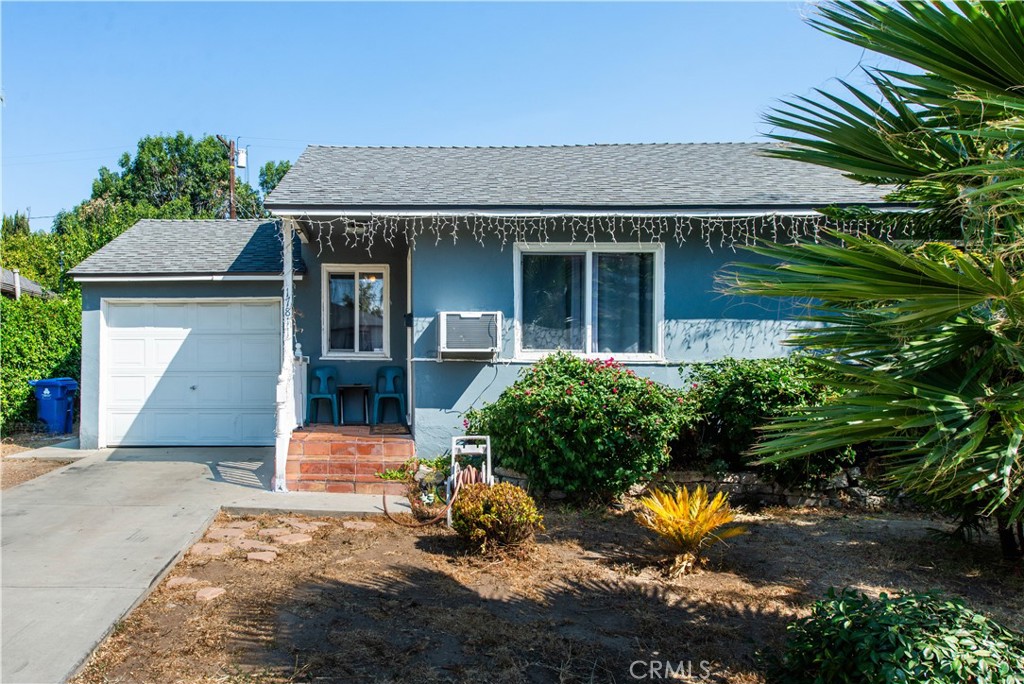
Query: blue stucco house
pixel 459 265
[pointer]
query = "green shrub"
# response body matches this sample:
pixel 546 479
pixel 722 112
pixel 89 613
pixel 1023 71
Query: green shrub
pixel 585 427
pixel 912 638
pixel 495 518
pixel 39 338
pixel 730 399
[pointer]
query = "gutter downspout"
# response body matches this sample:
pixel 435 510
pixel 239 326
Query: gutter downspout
pixel 17 283
pixel 286 420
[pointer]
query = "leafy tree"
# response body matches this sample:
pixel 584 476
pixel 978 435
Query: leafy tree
pixel 173 177
pixel 15 225
pixel 169 168
pixel 271 174
pixel 928 342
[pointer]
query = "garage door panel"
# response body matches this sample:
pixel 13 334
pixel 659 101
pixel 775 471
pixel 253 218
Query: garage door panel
pixel 259 353
pixel 191 373
pixel 218 391
pixel 172 316
pixel 129 389
pixel 254 427
pixel 168 352
pixel 217 317
pixel 171 427
pixel 126 427
pixel 171 390
pixel 223 428
pixel 218 351
pixel 128 352
pixel 129 316
pixel 260 318
pixel 258 390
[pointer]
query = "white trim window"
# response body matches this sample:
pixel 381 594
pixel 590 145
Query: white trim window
pixel 594 300
pixel 354 312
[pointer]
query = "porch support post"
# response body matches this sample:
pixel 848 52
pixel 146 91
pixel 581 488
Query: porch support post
pixel 286 418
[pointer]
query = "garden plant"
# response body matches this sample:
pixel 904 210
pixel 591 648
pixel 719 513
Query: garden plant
pixel 850 638
pixel 687 523
pixel 501 518
pixel 926 339
pixel 586 427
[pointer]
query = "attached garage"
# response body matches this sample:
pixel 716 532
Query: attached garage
pixel 181 335
pixel 190 372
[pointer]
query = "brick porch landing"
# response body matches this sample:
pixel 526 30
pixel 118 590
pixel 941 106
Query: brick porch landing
pixel 344 459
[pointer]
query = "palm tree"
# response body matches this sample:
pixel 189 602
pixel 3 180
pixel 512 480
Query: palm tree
pixel 929 340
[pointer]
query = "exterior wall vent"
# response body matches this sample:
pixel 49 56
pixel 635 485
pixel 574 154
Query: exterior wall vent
pixel 468 334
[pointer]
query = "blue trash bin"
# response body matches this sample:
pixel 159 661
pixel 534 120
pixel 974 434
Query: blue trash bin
pixel 55 400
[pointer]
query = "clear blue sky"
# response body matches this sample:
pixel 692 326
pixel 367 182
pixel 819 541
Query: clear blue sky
pixel 83 82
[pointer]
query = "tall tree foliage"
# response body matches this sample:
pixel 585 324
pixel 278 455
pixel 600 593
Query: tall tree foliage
pixel 169 176
pixel 173 168
pixel 271 174
pixel 929 342
pixel 15 225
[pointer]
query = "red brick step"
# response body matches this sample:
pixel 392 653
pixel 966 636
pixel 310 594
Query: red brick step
pixel 345 459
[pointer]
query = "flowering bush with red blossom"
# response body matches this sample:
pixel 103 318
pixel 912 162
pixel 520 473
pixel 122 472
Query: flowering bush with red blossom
pixel 586 427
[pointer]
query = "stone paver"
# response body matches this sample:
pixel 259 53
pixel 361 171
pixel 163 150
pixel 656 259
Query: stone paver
pixel 264 556
pixel 274 531
pixel 209 549
pixel 210 593
pixel 247 525
pixel 84 544
pixel 253 545
pixel 224 533
pixel 358 525
pixel 292 539
pixel 176 582
pixel 304 525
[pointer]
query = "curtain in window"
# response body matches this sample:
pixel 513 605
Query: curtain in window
pixel 371 312
pixel 342 312
pixel 623 303
pixel 553 301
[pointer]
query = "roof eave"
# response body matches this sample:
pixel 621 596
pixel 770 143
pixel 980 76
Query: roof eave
pixel 298 210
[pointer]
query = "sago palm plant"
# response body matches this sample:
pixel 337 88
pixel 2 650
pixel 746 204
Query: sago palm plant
pixel 687 523
pixel 927 339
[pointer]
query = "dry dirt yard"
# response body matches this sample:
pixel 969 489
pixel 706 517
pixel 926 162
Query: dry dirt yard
pixel 14 471
pixel 391 604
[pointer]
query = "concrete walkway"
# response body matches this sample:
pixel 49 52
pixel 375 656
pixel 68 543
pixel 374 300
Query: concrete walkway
pixel 82 545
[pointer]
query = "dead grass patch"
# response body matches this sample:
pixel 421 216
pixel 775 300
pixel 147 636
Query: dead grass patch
pixel 393 604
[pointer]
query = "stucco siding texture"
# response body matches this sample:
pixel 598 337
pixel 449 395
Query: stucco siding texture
pixel 700 324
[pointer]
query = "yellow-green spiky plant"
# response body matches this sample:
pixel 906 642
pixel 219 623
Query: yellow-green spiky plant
pixel 687 522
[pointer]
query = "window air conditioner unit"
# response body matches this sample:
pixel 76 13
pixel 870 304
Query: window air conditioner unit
pixel 468 334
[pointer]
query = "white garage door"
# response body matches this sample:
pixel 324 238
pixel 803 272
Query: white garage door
pixel 190 372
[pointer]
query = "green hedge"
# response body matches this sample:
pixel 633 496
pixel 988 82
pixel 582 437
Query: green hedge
pixel 585 427
pixel 850 638
pixel 729 401
pixel 39 338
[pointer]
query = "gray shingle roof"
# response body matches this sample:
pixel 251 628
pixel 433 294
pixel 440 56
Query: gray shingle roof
pixel 200 247
pixel 28 287
pixel 601 176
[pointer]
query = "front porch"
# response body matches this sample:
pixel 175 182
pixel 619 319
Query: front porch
pixel 346 459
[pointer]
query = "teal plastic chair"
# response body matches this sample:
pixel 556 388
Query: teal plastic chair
pixel 390 385
pixel 320 389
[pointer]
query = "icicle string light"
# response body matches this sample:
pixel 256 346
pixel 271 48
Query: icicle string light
pixel 715 232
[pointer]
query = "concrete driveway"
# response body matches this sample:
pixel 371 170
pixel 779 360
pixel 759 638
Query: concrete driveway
pixel 81 546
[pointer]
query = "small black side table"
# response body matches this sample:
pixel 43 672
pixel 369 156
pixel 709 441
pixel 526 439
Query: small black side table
pixel 365 389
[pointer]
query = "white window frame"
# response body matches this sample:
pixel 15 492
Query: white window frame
pixel 588 250
pixel 326 271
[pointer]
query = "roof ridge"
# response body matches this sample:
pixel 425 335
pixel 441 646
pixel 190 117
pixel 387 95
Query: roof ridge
pixel 536 147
